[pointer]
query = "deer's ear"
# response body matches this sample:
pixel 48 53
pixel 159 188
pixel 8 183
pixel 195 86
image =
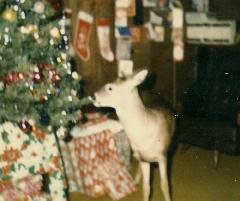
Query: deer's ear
pixel 140 77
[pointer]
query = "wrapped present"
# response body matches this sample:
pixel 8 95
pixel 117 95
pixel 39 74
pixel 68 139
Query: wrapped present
pixel 97 123
pixel 25 189
pixel 98 159
pixel 123 147
pixel 24 157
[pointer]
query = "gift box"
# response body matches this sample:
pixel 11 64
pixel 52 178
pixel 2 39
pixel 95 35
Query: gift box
pixel 24 158
pixel 98 159
pixel 25 189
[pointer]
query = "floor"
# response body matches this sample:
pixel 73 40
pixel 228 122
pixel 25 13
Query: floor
pixel 194 178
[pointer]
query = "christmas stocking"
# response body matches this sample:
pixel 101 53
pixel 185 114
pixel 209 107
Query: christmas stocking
pixel 103 32
pixel 83 30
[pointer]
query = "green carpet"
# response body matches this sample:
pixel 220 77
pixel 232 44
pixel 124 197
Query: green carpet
pixel 194 178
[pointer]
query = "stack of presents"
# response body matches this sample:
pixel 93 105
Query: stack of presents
pixel 96 162
pixel 97 159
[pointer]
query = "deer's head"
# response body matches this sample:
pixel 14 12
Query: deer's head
pixel 118 93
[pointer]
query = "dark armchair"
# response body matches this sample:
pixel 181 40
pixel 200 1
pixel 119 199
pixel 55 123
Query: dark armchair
pixel 210 108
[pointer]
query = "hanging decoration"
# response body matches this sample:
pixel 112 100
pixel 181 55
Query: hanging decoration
pixel 200 5
pixel 177 31
pixel 125 68
pixel 121 13
pixel 131 11
pixel 149 3
pixel 123 48
pixel 82 35
pixel 135 34
pixel 123 9
pixel 103 33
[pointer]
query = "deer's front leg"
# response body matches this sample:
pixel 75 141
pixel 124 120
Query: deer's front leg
pixel 162 162
pixel 146 180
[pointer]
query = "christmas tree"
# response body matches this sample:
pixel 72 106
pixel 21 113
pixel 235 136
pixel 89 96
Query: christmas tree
pixel 37 79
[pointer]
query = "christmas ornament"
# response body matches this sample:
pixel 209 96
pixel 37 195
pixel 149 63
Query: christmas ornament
pixel 39 7
pixel 70 98
pixel 75 75
pixel 37 77
pixel 29 29
pixel 83 31
pixel 43 99
pixel 54 77
pixel 61 132
pixel 25 126
pixel 55 4
pixel 55 80
pixel 13 77
pixel 10 15
pixel 64 56
pixel 58 91
pixel 1 86
pixel 59 60
pixel 43 66
pixel 20 76
pixel 68 15
pixel 54 32
pixel 33 92
pixel 74 92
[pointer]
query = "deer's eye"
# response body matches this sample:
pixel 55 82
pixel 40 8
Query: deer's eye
pixel 109 88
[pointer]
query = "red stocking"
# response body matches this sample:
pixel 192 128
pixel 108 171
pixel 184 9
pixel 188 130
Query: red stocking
pixel 83 30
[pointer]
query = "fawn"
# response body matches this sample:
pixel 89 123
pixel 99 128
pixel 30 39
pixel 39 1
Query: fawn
pixel 149 130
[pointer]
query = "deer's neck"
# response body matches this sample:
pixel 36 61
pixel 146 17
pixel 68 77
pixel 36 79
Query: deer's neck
pixel 132 111
pixel 133 115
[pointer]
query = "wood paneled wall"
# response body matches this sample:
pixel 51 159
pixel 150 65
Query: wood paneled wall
pixel 157 57
pixel 226 9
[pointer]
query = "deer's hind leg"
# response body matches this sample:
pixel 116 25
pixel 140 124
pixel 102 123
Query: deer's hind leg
pixel 162 162
pixel 138 175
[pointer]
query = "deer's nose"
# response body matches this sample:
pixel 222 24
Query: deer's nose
pixel 93 97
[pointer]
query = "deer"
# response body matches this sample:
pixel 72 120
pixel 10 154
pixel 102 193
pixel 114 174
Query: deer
pixel 149 130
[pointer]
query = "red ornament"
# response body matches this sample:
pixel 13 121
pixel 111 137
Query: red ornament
pixel 55 80
pixel 43 99
pixel 25 126
pixel 33 92
pixel 12 77
pixel 37 77
pixel 51 72
pixel 55 4
pixel 54 77
pixel 43 65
